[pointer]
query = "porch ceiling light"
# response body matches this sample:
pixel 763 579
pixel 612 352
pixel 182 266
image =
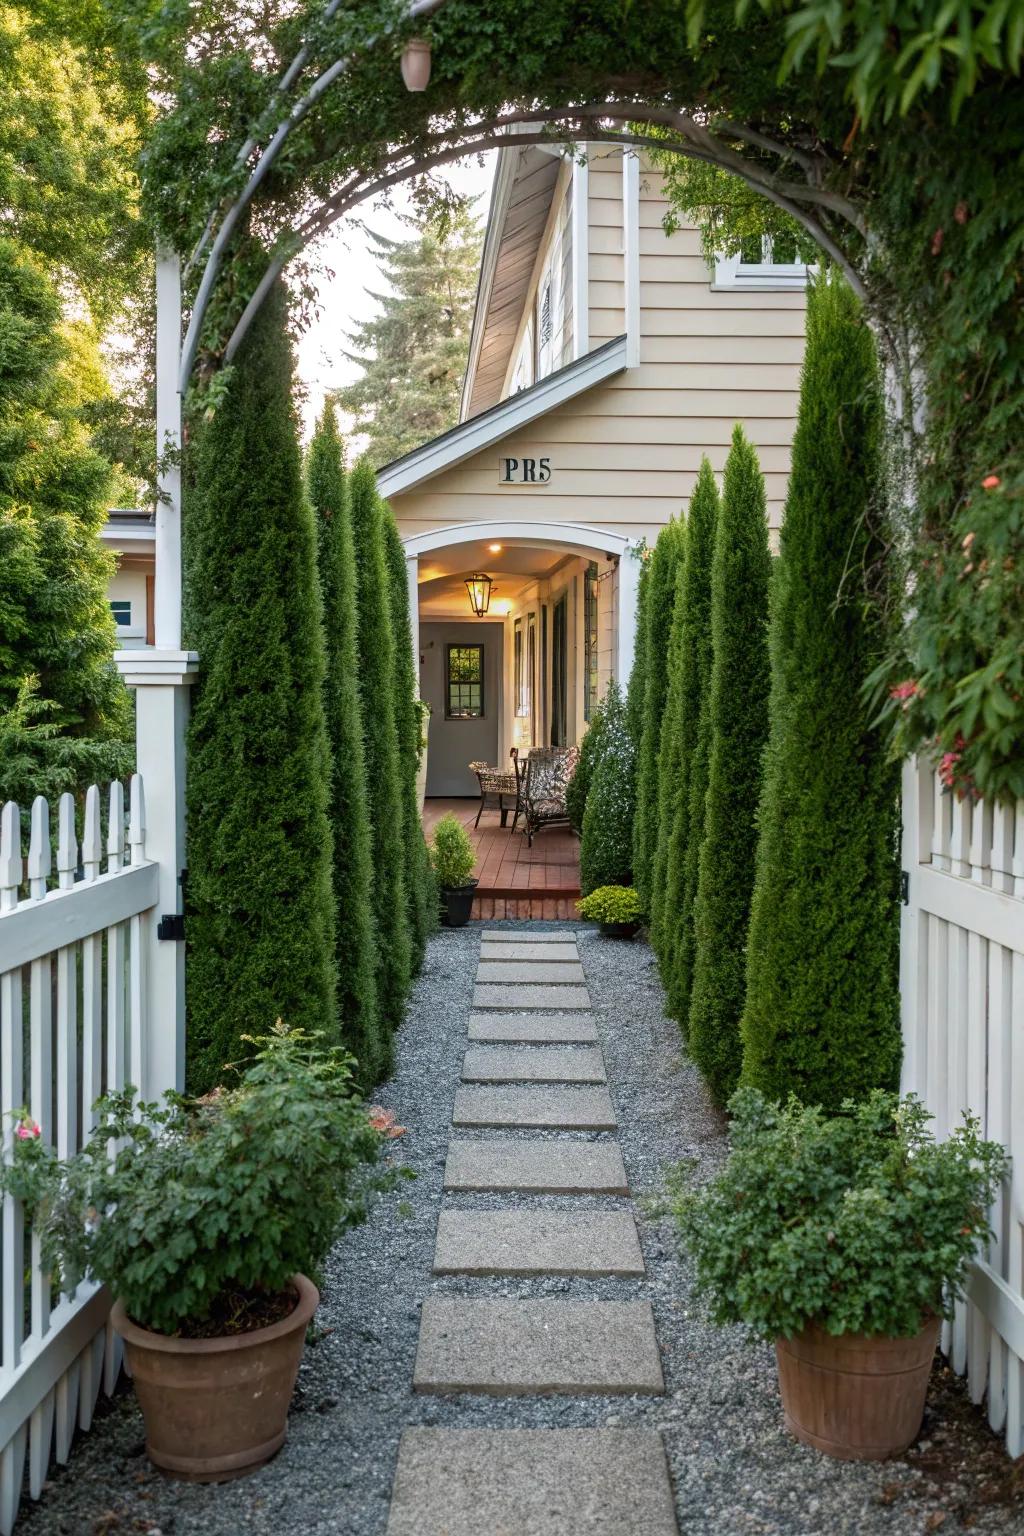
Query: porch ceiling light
pixel 416 64
pixel 479 589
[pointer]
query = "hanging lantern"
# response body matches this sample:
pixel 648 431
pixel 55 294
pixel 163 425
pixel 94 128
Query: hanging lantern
pixel 479 589
pixel 416 64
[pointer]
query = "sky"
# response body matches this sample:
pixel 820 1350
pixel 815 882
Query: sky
pixel 344 300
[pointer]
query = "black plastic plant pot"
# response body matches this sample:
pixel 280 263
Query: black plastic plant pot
pixel 619 930
pixel 456 904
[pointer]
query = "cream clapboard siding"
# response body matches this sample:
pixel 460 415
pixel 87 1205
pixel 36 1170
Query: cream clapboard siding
pixel 625 454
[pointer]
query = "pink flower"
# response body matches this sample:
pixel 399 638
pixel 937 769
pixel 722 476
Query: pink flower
pixel 28 1130
pixel 904 691
pixel 990 482
pixel 383 1120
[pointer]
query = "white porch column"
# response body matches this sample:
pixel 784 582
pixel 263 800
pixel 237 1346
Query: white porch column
pixel 167 596
pixel 625 615
pixel 412 576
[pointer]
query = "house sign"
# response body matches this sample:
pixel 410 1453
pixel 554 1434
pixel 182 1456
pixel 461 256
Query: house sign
pixel 524 471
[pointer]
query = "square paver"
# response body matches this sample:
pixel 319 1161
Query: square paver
pixel 511 1348
pixel 531 1482
pixel 518 1242
pixel 545 952
pixel 532 1028
pixel 534 1064
pixel 513 999
pixel 537 1167
pixel 529 935
pixel 541 1108
pixel 532 972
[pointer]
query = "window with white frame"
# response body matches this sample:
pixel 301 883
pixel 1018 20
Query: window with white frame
pixel 522 373
pixel 549 309
pixel 763 261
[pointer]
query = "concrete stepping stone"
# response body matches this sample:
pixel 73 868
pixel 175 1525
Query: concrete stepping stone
pixel 542 1108
pixel 521 936
pixel 537 1167
pixel 531 1482
pixel 529 952
pixel 534 1064
pixel 532 972
pixel 515 998
pixel 532 1028
pixel 518 1242
pixel 508 1347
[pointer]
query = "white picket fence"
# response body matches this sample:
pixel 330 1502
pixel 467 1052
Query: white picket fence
pixel 72 1025
pixel 962 980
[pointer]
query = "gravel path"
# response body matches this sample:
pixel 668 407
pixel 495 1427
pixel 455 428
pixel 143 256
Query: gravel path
pixel 734 1468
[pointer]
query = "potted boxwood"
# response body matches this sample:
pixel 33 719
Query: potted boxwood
pixel 843 1239
pixel 616 908
pixel 453 860
pixel 205 1218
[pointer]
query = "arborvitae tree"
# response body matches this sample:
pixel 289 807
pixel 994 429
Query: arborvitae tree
pixel 421 888
pixel 669 775
pixel 355 936
pixel 687 831
pixel 822 1013
pixel 739 727
pixel 377 686
pixel 260 901
pixel 413 353
pixel 656 615
pixel 637 689
pixel 606 849
pixel 586 763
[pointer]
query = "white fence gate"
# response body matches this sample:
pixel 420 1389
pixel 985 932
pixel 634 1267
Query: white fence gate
pixel 73 1023
pixel 962 980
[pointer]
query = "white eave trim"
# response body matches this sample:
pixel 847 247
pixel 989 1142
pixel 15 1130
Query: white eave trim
pixel 504 180
pixel 508 416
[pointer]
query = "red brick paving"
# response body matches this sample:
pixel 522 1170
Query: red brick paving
pixel 516 881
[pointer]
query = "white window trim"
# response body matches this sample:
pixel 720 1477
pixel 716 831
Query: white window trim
pixel 133 630
pixel 732 273
pixel 550 277
pixel 522 373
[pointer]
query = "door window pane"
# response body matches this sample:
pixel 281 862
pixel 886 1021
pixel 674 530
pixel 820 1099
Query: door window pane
pixel 464 691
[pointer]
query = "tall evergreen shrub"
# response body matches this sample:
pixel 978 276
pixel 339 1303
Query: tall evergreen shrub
pixel 377 688
pixel 822 1011
pixel 669 776
pixel 355 939
pixel 637 688
pixel 421 888
pixel 739 727
pixel 653 642
pixel 687 830
pixel 260 903
pixel 586 766
pixel 606 848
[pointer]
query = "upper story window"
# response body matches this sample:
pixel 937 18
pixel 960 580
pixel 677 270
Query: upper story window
pixel 549 310
pixel 522 373
pixel 763 261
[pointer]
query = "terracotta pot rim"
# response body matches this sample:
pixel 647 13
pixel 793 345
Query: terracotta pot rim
pixel 814 1330
pixel 145 1338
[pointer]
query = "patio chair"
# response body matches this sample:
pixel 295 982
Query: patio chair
pixel 548 771
pixel 500 786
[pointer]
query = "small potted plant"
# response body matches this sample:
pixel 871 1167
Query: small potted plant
pixel 453 860
pixel 845 1240
pixel 616 908
pixel 204 1218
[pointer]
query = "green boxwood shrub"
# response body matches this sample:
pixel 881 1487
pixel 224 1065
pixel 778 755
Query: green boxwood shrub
pixel 355 939
pixel 822 1013
pixel 739 728
pixel 260 897
pixel 586 763
pixel 859 1223
pixel 612 904
pixel 452 855
pixel 606 848
pixel 654 627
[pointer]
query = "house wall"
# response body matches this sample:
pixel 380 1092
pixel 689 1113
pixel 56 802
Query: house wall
pixel 128 584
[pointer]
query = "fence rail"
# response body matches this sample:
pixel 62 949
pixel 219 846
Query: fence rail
pixel 72 1026
pixel 962 980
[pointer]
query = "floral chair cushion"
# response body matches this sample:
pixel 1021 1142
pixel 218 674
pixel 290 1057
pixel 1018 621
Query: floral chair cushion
pixel 549 771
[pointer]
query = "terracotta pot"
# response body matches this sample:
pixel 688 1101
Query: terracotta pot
pixel 217 1408
pixel 854 1397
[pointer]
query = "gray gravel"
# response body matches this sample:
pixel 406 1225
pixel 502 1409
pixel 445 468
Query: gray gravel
pixel 734 1468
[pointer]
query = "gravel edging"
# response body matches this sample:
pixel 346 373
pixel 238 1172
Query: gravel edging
pixel 734 1467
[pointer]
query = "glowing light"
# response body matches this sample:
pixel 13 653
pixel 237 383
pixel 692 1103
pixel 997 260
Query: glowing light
pixel 495 549
pixel 479 589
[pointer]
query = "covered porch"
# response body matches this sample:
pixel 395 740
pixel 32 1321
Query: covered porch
pixel 516 881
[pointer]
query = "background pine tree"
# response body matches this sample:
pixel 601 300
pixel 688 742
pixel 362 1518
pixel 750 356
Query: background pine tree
pixel 656 617
pixel 355 937
pixel 669 782
pixel 687 831
pixel 739 726
pixel 822 1012
pixel 377 692
pixel 606 847
pixel 421 889
pixel 413 353
pixel 260 899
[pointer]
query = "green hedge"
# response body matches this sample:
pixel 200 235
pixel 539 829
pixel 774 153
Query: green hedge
pixel 260 902
pixel 606 848
pixel 586 764
pixel 669 781
pixel 822 1011
pixel 739 727
pixel 654 626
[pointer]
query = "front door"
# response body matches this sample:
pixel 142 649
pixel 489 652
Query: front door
pixel 560 672
pixel 460 678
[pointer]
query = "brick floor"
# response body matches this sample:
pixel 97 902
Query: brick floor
pixel 515 881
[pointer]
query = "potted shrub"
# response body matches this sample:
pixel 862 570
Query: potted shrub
pixel 205 1218
pixel 453 860
pixel 843 1239
pixel 616 908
